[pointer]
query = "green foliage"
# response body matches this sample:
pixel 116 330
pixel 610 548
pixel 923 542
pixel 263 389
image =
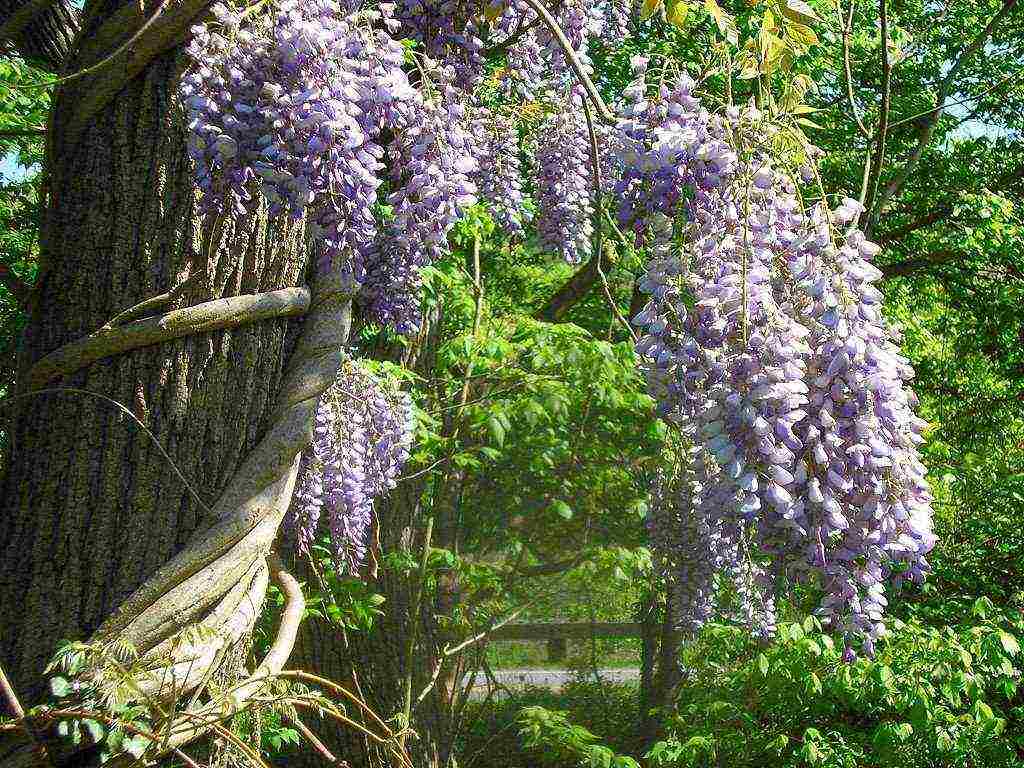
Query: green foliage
pixel 931 697
pixel 560 742
pixel 22 112
pixel 584 718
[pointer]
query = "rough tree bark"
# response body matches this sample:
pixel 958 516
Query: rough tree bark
pixel 659 671
pixel 88 506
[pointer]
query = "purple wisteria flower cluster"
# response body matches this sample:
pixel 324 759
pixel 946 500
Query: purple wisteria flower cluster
pixel 295 105
pixel 499 174
pixel 361 439
pixel 765 344
pixel 450 33
pixel 536 62
pixel 432 159
pixel 291 104
pixel 564 183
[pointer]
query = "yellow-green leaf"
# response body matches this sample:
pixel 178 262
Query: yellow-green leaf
pixel 678 13
pixel 801 36
pixel 649 7
pixel 798 10
pixel 726 24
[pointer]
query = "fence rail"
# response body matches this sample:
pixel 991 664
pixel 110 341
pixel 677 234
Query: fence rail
pixel 572 630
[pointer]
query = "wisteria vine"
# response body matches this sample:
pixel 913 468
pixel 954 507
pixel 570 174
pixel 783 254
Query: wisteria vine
pixel 765 344
pixel 763 340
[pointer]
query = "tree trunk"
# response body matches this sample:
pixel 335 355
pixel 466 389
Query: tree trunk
pixel 88 506
pixel 660 673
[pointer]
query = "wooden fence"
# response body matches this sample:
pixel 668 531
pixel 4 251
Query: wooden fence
pixel 558 635
pixel 572 630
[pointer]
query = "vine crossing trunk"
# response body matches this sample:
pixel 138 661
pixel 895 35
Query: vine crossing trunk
pixel 88 505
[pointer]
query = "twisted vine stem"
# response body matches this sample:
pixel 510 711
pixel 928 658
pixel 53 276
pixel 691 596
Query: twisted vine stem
pixel 209 316
pixel 219 580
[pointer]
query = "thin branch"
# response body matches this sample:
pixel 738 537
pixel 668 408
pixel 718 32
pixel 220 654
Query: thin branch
pixel 101 717
pixel 573 60
pixel 7 691
pixel 127 412
pixel 517 34
pixel 125 46
pixel 160 300
pixel 331 685
pixel 921 222
pixel 928 128
pixel 414 621
pixel 311 737
pixel 595 159
pixel 572 291
pixel 918 264
pixel 549 569
pixel 883 118
pixel 967 99
pixel 847 30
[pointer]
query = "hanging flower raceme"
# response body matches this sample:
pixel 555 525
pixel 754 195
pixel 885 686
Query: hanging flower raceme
pixel 361 438
pixel 764 342
pixel 450 33
pixel 432 158
pixel 499 173
pixel 565 183
pixel 291 104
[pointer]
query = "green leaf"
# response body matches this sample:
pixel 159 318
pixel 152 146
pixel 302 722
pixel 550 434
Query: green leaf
pixel 725 23
pixel 497 430
pixel 762 664
pixel 136 746
pixel 60 686
pixel 1009 643
pixel 561 509
pixel 677 14
pixel 883 675
pixel 799 11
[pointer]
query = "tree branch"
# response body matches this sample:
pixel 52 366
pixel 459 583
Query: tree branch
pixel 847 30
pixel 883 119
pixel 921 222
pixel 1005 181
pixel 927 129
pixel 8 695
pixel 918 264
pixel 571 292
